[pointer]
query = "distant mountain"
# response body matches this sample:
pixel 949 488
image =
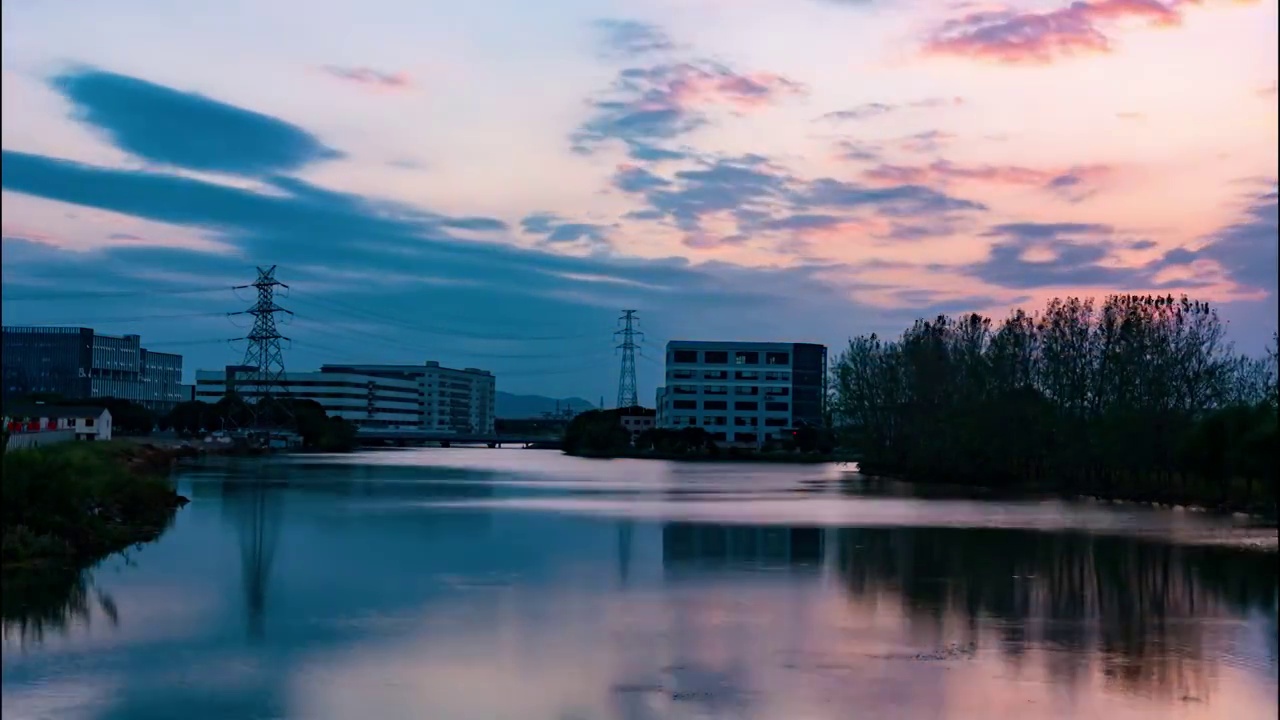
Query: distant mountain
pixel 515 407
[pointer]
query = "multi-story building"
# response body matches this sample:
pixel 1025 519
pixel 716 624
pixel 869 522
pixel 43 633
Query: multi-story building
pixel 743 393
pixel 78 363
pixel 420 397
pixel 661 409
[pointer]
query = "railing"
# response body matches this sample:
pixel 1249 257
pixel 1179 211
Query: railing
pixel 31 426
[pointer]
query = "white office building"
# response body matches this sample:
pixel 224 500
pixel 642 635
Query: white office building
pixel 418 397
pixel 743 393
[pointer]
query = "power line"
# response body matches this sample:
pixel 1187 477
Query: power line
pixel 497 373
pixel 436 330
pixel 82 322
pixel 440 313
pixel 419 349
pixel 105 294
pixel 174 343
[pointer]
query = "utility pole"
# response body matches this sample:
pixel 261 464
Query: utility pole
pixel 264 353
pixel 627 376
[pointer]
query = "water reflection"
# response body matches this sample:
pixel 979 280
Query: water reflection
pixel 37 603
pixel 703 547
pixel 1148 611
pixel 365 593
pixel 255 510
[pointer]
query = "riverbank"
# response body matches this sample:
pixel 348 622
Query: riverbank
pixel 1186 493
pixel 72 504
pixel 726 455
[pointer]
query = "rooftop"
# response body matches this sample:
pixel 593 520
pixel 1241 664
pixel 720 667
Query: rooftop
pixel 42 410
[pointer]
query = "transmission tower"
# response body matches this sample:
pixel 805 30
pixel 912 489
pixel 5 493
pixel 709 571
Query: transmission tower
pixel 263 353
pixel 627 376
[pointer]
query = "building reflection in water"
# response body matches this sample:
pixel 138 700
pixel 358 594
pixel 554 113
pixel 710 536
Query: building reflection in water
pixel 691 546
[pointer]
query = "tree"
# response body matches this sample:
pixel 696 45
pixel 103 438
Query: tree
pixel 1126 396
pixel 596 432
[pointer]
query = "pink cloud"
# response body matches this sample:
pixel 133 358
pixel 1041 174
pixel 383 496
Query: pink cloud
pixel 369 77
pixel 686 85
pixel 1007 36
pixel 1063 180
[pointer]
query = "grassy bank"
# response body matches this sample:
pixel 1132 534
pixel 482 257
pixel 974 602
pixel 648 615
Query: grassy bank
pixel 72 504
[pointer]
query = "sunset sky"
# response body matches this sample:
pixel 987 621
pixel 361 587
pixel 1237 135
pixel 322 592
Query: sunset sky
pixel 488 184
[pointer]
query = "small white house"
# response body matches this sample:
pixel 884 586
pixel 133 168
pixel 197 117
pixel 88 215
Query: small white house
pixel 80 423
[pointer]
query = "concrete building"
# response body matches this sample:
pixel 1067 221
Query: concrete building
pixel 419 397
pixel 743 393
pixel 636 420
pixel 35 424
pixel 80 364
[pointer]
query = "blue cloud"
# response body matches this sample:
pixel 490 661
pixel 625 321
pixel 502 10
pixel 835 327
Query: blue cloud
pixel 379 260
pixel 187 130
pixel 1078 252
pixel 646 105
pixel 1245 249
pixel 556 231
pixel 764 198
pixel 632 38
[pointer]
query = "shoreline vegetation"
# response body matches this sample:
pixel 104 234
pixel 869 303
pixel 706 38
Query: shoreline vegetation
pixel 1137 399
pixel 70 505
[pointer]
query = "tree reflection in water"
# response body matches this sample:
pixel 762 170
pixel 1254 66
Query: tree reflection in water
pixel 1136 605
pixel 37 603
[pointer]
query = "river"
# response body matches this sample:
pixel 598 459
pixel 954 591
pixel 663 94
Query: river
pixel 477 584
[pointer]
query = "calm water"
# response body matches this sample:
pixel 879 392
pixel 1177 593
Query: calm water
pixel 460 584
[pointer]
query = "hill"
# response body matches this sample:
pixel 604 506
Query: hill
pixel 514 407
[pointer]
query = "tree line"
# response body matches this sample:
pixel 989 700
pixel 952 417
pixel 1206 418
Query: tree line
pixel 1139 396
pixel 318 430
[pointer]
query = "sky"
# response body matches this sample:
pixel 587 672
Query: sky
pixel 490 184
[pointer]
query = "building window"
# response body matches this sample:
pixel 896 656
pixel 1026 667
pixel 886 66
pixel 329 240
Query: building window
pixel 775 422
pixel 684 389
pixel 682 374
pixel 775 407
pixel 712 420
pixel 746 358
pixel 747 375
pixel 716 357
pixel 746 390
pixel 715 405
pixel 742 421
pixel 685 356
pixel 715 375
pixel 88 422
pixel 777 358
pixel 744 437
pixel 685 404
pixel 777 376
pixel 750 406
pixel 777 392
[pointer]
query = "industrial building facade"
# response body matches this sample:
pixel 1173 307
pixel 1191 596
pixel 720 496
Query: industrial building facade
pixel 419 397
pixel 78 363
pixel 743 393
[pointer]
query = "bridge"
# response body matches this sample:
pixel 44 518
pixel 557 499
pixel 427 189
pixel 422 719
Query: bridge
pixel 402 438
